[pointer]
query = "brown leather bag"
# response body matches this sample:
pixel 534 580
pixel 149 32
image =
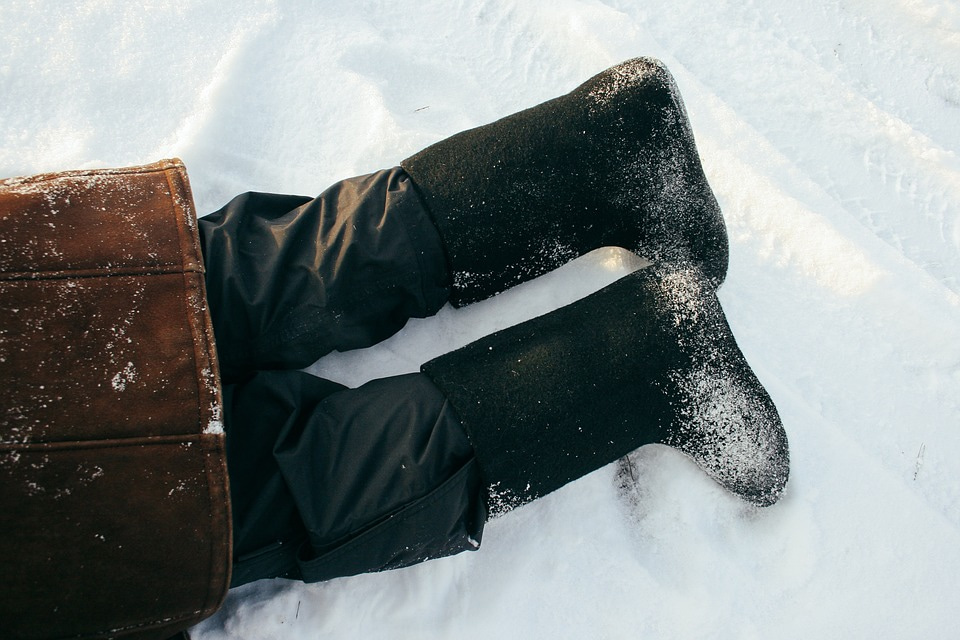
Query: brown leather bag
pixel 114 502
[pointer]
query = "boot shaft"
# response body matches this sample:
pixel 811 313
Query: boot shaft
pixel 648 359
pixel 612 163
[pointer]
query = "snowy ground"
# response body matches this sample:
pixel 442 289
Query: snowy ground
pixel 830 132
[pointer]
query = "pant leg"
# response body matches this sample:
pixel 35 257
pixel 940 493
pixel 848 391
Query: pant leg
pixel 327 481
pixel 291 278
pixel 330 482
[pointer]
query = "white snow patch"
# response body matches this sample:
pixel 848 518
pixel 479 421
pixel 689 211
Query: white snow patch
pixel 214 427
pixel 124 377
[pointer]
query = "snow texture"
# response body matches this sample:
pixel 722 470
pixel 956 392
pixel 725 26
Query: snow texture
pixel 830 133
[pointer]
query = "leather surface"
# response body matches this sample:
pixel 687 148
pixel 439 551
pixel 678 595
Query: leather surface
pixel 115 518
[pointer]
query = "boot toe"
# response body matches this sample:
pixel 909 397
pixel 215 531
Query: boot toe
pixel 729 425
pixel 747 455
pixel 722 416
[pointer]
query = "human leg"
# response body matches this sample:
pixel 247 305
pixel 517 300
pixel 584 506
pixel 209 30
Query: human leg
pixel 612 163
pixel 330 482
pixel 648 359
pixel 291 278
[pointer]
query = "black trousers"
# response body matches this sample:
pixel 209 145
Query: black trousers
pixel 328 481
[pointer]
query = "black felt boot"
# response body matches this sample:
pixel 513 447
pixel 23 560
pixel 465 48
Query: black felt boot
pixel 613 163
pixel 648 359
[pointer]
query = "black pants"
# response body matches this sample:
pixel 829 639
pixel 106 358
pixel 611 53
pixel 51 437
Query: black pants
pixel 328 481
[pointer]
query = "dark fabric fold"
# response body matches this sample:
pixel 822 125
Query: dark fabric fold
pixel 290 278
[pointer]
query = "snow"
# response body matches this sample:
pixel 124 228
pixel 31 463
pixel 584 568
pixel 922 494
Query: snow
pixel 830 133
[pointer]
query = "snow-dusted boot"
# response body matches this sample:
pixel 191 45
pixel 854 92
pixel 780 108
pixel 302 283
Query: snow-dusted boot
pixel 613 163
pixel 648 359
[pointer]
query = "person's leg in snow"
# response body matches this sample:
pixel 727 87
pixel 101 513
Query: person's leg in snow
pixel 648 359
pixel 612 163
